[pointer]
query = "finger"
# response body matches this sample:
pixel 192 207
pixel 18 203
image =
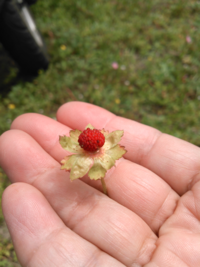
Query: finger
pixel 176 161
pixel 40 237
pixel 179 240
pixel 129 184
pixel 91 214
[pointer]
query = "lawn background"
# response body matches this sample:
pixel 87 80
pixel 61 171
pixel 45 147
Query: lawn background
pixel 157 82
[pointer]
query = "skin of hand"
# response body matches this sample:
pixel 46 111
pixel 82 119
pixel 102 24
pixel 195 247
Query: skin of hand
pixel 151 217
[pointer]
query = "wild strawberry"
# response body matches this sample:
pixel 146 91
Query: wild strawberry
pixel 91 139
pixel 103 150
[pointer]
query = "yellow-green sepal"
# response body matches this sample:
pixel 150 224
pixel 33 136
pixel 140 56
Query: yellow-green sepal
pixel 116 152
pixel 78 165
pixel 89 126
pixel 70 144
pixel 112 139
pixel 68 162
pixel 97 172
pixel 74 134
pixel 101 166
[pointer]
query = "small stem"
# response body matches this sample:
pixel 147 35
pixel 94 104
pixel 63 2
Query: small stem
pixel 104 186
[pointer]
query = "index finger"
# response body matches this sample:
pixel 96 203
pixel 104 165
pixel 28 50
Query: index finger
pixel 174 160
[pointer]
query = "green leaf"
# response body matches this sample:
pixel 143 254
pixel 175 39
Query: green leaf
pixel 69 144
pixel 97 172
pixel 112 139
pixel 116 152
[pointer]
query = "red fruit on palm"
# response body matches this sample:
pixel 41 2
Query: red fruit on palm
pixel 91 139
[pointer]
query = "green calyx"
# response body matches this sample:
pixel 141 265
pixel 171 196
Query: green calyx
pixel 95 164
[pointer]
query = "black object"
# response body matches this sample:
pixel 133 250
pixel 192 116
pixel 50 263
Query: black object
pixel 20 37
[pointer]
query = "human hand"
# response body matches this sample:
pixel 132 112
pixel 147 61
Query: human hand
pixel 151 217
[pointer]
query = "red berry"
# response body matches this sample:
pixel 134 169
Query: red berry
pixel 91 140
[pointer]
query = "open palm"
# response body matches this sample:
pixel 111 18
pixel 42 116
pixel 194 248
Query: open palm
pixel 151 217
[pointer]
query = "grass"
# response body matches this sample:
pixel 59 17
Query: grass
pixel 156 46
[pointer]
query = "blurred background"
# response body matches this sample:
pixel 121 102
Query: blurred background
pixel 138 59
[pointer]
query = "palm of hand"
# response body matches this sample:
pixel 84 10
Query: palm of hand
pixel 151 218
